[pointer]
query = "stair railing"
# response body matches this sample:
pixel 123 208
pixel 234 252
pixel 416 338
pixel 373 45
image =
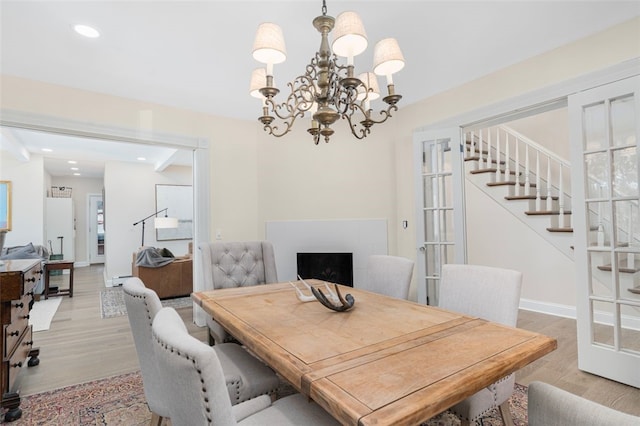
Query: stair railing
pixel 556 168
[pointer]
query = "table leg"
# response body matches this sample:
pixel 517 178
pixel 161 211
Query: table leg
pixel 71 281
pixel 46 282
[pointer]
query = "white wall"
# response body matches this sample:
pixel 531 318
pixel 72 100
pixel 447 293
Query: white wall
pixel 256 178
pixel 130 195
pixel 27 199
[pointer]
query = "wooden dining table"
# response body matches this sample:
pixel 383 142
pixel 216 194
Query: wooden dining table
pixel 385 361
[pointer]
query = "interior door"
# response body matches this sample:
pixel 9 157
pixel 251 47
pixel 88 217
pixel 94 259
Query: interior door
pixel 605 123
pixel 438 164
pixel 96 233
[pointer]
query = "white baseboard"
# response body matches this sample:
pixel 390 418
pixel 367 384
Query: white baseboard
pixel 567 311
pixel 555 309
pixel 116 281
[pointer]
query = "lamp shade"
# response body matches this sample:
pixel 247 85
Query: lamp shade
pixel 387 57
pixel 165 222
pixel 370 82
pixel 349 36
pixel 268 46
pixel 258 81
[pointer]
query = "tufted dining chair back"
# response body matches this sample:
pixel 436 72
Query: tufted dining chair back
pixel 235 264
pixel 492 294
pixel 192 374
pixel 246 377
pixel 142 305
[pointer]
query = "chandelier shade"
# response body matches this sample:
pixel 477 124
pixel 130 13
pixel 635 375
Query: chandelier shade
pixel 258 81
pixel 369 85
pixel 349 36
pixel 268 46
pixel 387 57
pixel 327 90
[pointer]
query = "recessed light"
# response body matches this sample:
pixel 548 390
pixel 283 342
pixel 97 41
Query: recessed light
pixel 47 149
pixel 74 168
pixel 141 159
pixel 86 31
pixel 76 174
pixel 72 162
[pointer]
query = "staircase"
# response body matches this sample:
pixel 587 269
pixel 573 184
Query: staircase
pixel 534 184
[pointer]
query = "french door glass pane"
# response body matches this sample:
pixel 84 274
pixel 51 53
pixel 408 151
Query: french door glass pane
pixel 623 119
pixel 601 282
pixel 630 337
pixel 596 171
pixel 603 334
pixel 594 131
pixel 625 172
pixel 599 223
pixel 627 225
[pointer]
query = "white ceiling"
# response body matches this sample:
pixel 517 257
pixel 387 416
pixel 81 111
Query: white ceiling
pixel 197 54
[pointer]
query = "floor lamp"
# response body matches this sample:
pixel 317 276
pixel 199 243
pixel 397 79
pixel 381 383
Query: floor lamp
pixel 159 222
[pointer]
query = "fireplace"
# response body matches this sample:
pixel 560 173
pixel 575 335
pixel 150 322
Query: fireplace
pixel 332 267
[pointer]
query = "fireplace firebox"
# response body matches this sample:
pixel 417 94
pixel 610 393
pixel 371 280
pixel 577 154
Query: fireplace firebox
pixel 332 267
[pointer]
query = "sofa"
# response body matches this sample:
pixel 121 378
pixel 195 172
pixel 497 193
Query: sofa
pixel 174 279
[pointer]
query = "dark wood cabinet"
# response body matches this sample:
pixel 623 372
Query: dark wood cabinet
pixel 18 279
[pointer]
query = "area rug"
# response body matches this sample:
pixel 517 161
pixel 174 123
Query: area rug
pixel 42 313
pixel 120 400
pixel 112 302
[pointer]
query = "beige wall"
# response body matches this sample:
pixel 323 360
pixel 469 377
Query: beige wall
pixel 255 178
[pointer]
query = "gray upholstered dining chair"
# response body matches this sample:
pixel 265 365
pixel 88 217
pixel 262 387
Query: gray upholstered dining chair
pixel 246 376
pixel 492 294
pixel 388 275
pixel 235 264
pixel 550 406
pixel 194 379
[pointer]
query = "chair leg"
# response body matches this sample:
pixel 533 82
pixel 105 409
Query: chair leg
pixel 505 412
pixel 156 420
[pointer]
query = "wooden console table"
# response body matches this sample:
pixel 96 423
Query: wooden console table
pixel 18 278
pixel 58 265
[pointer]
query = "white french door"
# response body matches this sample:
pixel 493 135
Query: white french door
pixel 440 229
pixel 605 134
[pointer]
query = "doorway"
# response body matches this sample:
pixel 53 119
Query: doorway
pixel 95 233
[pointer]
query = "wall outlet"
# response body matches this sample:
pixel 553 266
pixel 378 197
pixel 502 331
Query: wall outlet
pixel 218 234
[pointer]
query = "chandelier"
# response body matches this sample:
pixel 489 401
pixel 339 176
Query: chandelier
pixel 327 90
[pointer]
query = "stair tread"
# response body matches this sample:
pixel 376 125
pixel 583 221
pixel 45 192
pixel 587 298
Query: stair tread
pixel 545 212
pixel 555 229
pixel 502 183
pixel 621 268
pixel 528 197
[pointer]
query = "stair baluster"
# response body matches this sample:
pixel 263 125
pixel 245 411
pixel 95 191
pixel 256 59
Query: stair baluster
pixel 488 148
pixel 498 167
pixel 538 199
pixel 527 178
pixel 549 205
pixel 507 158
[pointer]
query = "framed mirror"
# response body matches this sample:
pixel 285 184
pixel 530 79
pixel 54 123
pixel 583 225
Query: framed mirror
pixel 178 200
pixel 5 205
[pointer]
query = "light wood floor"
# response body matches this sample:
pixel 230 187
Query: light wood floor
pixel 81 346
